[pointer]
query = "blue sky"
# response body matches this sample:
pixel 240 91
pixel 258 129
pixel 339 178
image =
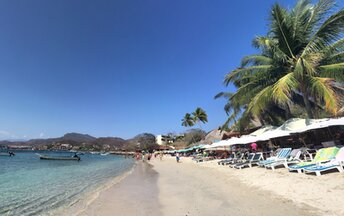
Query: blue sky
pixel 119 68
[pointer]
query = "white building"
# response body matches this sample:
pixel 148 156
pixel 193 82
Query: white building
pixel 163 139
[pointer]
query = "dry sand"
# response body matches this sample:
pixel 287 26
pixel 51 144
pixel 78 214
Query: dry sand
pixel 325 193
pixel 188 188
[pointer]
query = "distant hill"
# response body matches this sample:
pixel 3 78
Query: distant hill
pixel 76 141
pixel 78 137
pixel 111 141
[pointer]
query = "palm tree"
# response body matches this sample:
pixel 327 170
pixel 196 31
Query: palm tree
pixel 188 120
pixel 200 115
pixel 302 57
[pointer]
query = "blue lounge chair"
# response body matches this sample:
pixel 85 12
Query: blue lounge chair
pixel 282 155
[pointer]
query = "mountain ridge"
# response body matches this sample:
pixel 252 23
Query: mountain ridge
pixel 76 140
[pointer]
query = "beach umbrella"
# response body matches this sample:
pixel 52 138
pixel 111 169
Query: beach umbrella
pixel 216 144
pixel 286 129
pixel 247 139
pixel 234 141
pixel 323 124
pixel 272 134
pixel 297 124
pixel 263 130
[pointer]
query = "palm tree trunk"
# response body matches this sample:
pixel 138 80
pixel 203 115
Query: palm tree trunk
pixel 305 96
pixel 200 128
pixel 287 112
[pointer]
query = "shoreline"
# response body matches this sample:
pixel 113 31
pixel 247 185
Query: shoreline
pixel 131 195
pixel 79 206
pixel 189 188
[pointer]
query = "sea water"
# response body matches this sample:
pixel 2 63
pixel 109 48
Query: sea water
pixel 30 186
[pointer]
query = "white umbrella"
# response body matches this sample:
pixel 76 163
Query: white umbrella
pixel 272 134
pixel 322 124
pixel 233 141
pixel 217 144
pixel 290 126
pixel 263 130
pixel 245 139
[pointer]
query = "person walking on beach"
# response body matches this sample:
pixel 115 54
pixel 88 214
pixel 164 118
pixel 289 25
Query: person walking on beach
pixel 177 157
pixel 160 156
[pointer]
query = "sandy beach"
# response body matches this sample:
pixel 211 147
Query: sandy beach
pixel 136 194
pixel 189 188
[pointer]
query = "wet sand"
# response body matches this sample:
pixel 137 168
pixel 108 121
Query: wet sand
pixel 137 194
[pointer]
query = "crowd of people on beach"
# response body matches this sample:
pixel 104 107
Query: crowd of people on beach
pixel 147 156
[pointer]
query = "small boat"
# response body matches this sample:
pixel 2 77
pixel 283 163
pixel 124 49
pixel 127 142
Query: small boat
pixel 106 153
pixel 8 154
pixel 46 157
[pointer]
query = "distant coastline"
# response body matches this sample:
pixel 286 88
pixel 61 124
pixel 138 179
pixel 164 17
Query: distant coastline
pixel 83 142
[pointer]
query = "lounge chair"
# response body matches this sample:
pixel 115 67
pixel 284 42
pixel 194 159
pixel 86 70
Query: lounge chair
pixel 281 156
pixel 293 158
pixel 249 163
pixel 323 155
pixel 249 157
pixel 238 159
pixel 227 160
pixel 336 163
pixel 207 158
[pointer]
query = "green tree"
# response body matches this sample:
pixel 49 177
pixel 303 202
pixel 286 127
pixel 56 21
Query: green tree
pixel 193 136
pixel 188 120
pixel 199 115
pixel 299 63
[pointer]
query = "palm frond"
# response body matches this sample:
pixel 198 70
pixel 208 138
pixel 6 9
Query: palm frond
pixel 321 87
pixel 333 59
pixel 281 91
pixel 199 115
pixel 240 72
pixel 282 29
pixel 337 46
pixel 255 60
pixel 188 121
pixel 262 42
pixel 301 15
pixel 223 95
pixel 261 101
pixel 335 71
pixel 320 12
pixel 329 31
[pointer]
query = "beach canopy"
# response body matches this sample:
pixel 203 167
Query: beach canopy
pixel 201 146
pixel 291 126
pixel 263 130
pixel 329 122
pixel 219 144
